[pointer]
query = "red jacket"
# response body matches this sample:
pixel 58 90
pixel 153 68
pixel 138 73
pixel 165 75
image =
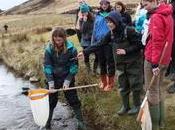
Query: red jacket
pixel 161 31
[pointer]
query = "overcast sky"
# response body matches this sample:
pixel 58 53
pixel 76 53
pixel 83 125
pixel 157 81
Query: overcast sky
pixel 6 4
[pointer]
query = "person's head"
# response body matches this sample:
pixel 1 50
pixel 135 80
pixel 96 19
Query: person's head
pixel 149 4
pixel 114 20
pixel 59 38
pixel 85 11
pixel 119 6
pixel 105 5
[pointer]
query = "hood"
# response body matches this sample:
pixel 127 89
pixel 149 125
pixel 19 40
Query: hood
pixel 115 17
pixel 164 9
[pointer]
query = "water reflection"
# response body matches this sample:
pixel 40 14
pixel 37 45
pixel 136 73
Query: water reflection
pixel 15 112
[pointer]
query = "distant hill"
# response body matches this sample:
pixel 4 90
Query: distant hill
pixel 51 6
pixel 1 11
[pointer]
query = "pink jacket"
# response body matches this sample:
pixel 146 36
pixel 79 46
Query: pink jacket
pixel 161 31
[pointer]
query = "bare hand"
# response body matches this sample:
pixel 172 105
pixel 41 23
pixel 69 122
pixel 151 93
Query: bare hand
pixel 80 55
pixel 156 71
pixel 120 52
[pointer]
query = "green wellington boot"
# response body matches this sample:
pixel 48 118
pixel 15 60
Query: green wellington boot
pixel 155 116
pixel 136 103
pixel 162 115
pixel 125 107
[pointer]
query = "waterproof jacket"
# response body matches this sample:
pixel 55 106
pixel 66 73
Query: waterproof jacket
pixel 60 66
pixel 139 21
pixel 100 27
pixel 160 31
pixel 126 18
pixel 86 29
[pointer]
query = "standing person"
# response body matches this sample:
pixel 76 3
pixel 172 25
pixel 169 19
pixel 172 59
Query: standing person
pixel 160 32
pixel 86 28
pixel 126 18
pixel 5 28
pixel 60 68
pixel 78 17
pixel 105 56
pixel 127 54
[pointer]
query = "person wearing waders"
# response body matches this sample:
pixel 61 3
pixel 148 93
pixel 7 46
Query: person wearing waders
pixel 105 56
pixel 86 28
pixel 160 32
pixel 60 68
pixel 126 46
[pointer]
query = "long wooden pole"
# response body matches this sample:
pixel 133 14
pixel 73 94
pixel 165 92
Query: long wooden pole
pixel 62 89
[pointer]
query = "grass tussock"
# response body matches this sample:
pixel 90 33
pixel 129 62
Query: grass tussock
pixel 21 37
pixel 41 30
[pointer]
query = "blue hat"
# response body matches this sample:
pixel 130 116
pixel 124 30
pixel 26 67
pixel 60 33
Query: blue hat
pixel 84 8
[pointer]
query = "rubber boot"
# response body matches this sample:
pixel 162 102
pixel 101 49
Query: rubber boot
pixel 48 124
pixel 88 67
pixel 78 115
pixel 155 116
pixel 136 103
pixel 110 83
pixel 162 115
pixel 125 107
pixel 103 82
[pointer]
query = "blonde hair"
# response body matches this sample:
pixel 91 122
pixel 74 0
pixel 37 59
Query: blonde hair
pixel 59 32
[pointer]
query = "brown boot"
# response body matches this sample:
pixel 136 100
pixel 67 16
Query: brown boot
pixel 103 82
pixel 110 83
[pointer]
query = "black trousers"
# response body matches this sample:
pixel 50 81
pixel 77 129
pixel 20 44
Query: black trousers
pixel 106 60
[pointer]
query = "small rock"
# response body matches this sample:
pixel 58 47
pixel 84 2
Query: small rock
pixel 33 79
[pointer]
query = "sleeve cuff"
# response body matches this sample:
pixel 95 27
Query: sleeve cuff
pixel 154 65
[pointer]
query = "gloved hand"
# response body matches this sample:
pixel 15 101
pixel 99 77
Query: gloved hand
pixel 51 85
pixel 66 84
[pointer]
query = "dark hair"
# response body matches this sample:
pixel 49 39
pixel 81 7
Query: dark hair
pixel 90 16
pixel 122 5
pixel 108 9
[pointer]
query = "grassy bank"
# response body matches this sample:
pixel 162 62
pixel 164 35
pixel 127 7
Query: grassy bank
pixel 22 50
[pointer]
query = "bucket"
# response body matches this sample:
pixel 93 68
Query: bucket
pixel 39 101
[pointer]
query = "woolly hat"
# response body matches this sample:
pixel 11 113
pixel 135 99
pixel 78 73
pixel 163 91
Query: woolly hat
pixel 84 8
pixel 104 1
